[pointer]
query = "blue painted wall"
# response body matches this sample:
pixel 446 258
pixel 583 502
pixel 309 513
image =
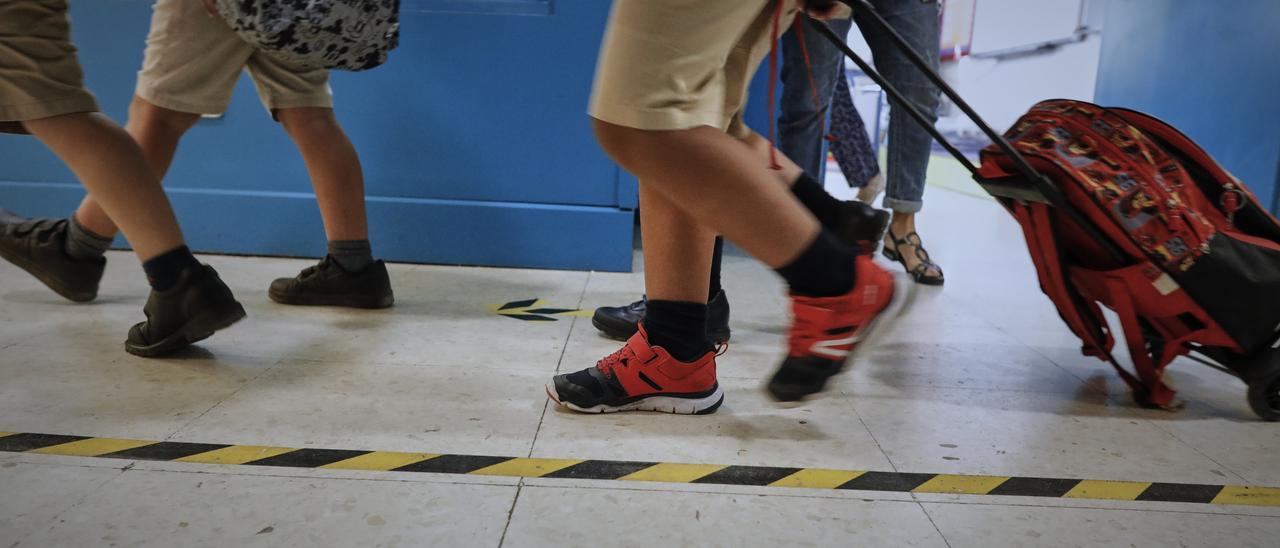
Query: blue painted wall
pixel 1210 68
pixel 474 139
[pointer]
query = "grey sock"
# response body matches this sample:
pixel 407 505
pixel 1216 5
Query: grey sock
pixel 83 244
pixel 351 255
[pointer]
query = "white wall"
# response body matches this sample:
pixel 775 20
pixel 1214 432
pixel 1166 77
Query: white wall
pixel 1003 89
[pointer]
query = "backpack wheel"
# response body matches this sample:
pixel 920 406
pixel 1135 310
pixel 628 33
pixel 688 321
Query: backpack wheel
pixel 1264 390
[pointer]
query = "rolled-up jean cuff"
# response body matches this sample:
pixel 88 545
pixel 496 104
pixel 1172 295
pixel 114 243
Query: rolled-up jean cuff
pixel 902 206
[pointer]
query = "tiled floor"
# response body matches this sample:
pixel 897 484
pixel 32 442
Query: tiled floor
pixel 979 378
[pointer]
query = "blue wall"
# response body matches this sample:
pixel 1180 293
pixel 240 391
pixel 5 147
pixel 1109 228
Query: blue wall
pixel 1211 68
pixel 474 139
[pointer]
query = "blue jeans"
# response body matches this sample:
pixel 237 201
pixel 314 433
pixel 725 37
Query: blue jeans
pixel 801 123
pixel 909 144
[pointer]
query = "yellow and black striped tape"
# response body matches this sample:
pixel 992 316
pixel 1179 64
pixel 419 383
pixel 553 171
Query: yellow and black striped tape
pixel 716 474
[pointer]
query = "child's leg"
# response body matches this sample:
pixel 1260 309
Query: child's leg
pixel 677 257
pixel 718 180
pixel 349 276
pixel 334 168
pixel 667 106
pixel 157 130
pixel 109 163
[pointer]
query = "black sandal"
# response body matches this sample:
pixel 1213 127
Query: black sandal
pixel 921 272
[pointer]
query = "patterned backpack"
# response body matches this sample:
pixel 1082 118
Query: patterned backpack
pixel 335 34
pixel 1183 253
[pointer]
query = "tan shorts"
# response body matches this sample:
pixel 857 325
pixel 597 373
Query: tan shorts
pixel 679 64
pixel 40 76
pixel 193 61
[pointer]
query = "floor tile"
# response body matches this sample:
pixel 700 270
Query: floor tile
pixel 748 429
pixel 1045 434
pixel 35 494
pixel 469 410
pixel 546 516
pixel 82 390
pixel 149 508
pixel 966 525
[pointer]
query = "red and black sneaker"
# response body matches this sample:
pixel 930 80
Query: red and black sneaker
pixel 825 332
pixel 641 377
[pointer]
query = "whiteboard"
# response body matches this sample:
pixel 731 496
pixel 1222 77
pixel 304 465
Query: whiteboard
pixel 1004 24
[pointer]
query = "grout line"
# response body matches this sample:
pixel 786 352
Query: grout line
pixel 511 512
pixel 1228 469
pixel 929 517
pixel 1135 415
pixel 849 402
pixel 546 403
pixel 80 500
pixel 223 400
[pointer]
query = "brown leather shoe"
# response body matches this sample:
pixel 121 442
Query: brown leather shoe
pixel 190 311
pixel 327 284
pixel 37 246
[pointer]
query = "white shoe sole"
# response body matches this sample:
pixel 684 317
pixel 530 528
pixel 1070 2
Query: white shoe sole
pixel 658 404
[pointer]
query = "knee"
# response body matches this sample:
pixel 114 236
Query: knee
pixel 621 143
pixel 150 119
pixel 642 150
pixel 307 119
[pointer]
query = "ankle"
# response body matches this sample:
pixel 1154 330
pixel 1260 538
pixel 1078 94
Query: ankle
pixel 678 327
pixel 83 243
pixel 164 269
pixel 352 255
pixel 824 269
pixel 902 224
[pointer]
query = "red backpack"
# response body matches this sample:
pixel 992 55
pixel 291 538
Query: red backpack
pixel 1182 252
pixel 1121 210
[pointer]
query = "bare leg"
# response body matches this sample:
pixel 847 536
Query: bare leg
pixel 110 165
pixel 677 250
pixel 717 180
pixel 334 168
pixel 788 174
pixel 157 131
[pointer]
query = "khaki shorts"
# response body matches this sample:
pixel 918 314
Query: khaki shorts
pixel 193 61
pixel 680 64
pixel 40 76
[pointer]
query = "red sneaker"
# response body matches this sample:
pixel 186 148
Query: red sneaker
pixel 640 377
pixel 825 331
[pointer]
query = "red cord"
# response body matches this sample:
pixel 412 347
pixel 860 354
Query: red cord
pixel 773 80
pixel 808 66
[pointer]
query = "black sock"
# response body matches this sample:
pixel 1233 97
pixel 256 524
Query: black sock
pixel 824 269
pixel 352 255
pixel 716 256
pixel 823 206
pixel 679 327
pixel 163 269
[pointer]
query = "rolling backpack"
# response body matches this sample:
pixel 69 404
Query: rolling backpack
pixel 1122 211
pixel 1191 259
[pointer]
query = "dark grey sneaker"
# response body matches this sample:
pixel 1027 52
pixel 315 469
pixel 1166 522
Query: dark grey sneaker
pixel 37 246
pixel 621 322
pixel 327 284
pixel 190 311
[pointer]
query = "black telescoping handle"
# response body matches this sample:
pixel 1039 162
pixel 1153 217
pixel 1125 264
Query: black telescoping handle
pixel 862 7
pixel 1041 188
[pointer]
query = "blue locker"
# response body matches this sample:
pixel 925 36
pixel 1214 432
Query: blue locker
pixel 474 138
